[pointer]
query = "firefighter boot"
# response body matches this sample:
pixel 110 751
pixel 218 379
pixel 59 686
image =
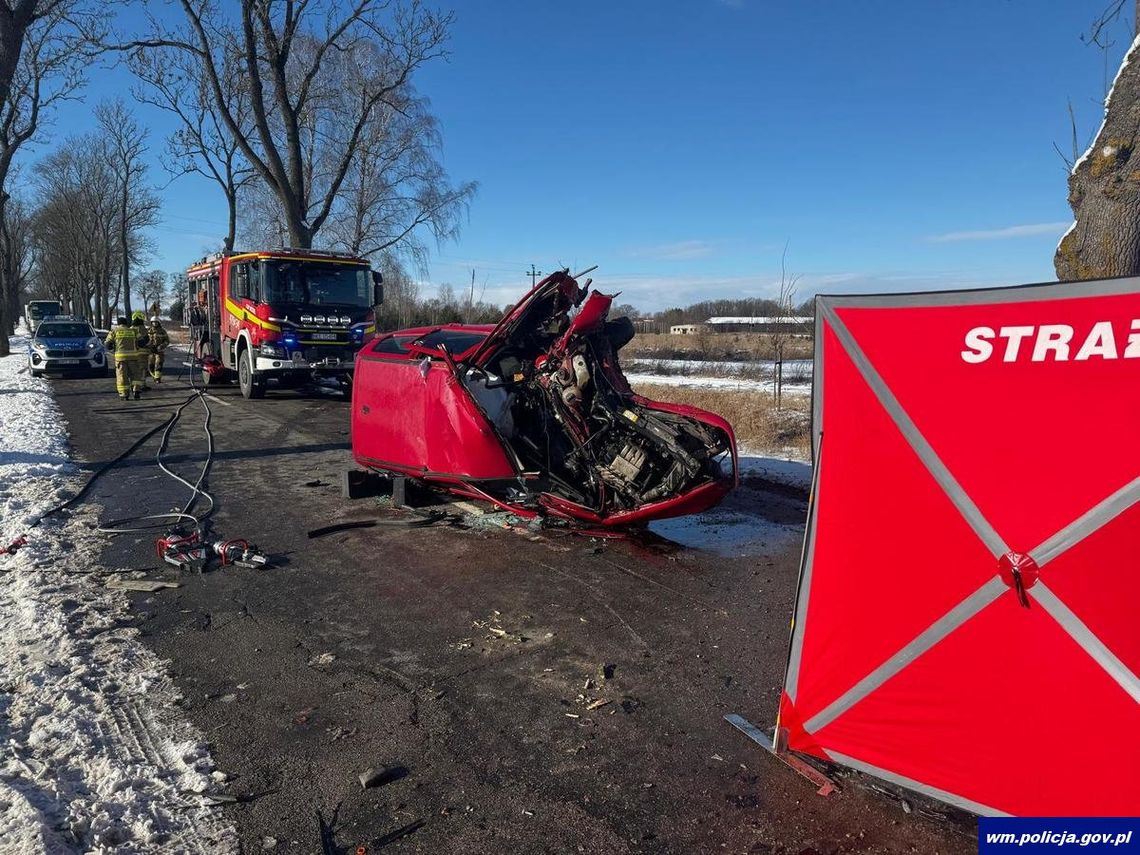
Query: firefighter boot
pixel 138 394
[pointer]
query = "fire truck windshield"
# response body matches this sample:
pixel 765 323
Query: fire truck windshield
pixel 315 283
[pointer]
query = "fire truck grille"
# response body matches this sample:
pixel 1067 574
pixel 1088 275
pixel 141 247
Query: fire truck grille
pixel 320 353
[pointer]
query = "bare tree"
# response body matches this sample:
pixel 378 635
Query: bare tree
pixel 17 252
pixel 152 288
pixel 76 227
pixel 396 188
pixel 44 49
pixel 779 336
pixel 137 202
pixel 319 74
pixel 401 294
pixel 201 144
pixel 176 295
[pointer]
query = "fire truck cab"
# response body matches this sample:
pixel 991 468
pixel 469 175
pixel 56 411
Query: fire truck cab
pixel 285 315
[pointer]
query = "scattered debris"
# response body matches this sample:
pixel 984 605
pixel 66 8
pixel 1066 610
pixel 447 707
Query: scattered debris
pixel 381 775
pixel 606 671
pixel 216 799
pixel 322 660
pixel 269 843
pixel 598 704
pixel 491 625
pixel 13 547
pixel 149 585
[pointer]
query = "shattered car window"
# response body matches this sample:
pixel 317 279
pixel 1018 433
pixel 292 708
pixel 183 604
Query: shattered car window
pixel 456 341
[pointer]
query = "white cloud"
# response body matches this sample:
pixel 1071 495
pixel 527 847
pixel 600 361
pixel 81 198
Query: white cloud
pixel 1007 233
pixel 679 251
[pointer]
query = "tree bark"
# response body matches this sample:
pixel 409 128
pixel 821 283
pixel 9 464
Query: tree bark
pixel 125 277
pixel 1104 190
pixel 231 230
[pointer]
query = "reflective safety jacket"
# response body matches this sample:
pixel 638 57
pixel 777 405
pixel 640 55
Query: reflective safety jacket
pixel 159 340
pixel 125 343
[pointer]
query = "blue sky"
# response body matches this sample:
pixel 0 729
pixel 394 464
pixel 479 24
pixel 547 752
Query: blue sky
pixel 679 144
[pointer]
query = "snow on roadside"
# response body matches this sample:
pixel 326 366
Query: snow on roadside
pixel 727 532
pixel 94 757
pixel 785 468
pixel 724 383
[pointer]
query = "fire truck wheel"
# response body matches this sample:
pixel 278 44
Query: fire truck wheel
pixel 251 385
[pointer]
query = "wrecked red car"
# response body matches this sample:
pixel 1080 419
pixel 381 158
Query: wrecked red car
pixel 535 415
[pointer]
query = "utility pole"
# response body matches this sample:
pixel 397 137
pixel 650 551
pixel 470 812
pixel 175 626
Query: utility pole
pixel 533 274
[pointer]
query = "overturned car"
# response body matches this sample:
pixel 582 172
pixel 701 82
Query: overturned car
pixel 535 415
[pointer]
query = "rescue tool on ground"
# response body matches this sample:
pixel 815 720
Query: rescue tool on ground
pixel 284 315
pixel 191 552
pixel 535 415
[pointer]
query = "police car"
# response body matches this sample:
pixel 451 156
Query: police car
pixel 65 344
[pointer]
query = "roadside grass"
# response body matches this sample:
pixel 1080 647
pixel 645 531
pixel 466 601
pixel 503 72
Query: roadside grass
pixel 714 346
pixel 753 415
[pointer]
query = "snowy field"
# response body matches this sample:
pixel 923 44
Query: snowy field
pixel 726 376
pixel 94 756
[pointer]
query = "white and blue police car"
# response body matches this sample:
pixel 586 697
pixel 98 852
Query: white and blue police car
pixel 66 344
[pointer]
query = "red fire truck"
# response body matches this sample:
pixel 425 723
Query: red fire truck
pixel 284 315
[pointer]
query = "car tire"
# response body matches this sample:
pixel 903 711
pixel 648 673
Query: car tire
pixel 250 384
pixel 36 372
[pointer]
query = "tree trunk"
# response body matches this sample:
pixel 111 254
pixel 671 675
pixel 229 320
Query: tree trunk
pixel 126 268
pixel 300 235
pixel 1104 190
pixel 231 201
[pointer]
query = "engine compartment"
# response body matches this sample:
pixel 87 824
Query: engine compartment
pixel 554 391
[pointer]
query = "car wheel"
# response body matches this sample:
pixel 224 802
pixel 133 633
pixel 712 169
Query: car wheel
pixel 36 372
pixel 250 384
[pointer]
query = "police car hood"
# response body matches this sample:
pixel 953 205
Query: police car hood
pixel 69 343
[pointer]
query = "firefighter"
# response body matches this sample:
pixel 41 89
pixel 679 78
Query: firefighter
pixel 123 342
pixel 142 357
pixel 159 341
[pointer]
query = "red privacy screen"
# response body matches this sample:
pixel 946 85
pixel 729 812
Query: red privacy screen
pixel 968 617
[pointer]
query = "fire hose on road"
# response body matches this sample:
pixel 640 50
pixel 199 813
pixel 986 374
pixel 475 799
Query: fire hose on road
pixel 186 544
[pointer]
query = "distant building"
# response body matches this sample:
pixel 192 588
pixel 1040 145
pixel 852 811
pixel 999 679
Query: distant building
pixel 792 325
pixel 684 329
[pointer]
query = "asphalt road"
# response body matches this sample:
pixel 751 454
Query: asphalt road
pixel 526 692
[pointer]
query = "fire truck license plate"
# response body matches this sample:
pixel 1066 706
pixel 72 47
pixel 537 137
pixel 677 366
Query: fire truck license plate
pixel 325 336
